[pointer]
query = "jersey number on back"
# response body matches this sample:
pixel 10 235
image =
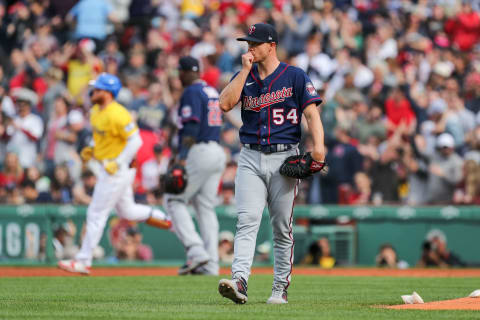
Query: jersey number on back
pixel 214 114
pixel 279 118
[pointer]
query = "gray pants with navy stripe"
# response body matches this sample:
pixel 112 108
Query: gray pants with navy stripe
pixel 259 183
pixel 205 164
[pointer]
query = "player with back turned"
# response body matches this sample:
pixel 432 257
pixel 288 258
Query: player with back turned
pixel 273 97
pixel 202 161
pixel 116 141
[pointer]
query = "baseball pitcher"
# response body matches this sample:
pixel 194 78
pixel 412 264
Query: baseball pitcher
pixel 273 97
pixel 201 161
pixel 115 144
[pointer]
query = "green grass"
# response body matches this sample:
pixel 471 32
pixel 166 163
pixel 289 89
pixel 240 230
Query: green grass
pixel 196 297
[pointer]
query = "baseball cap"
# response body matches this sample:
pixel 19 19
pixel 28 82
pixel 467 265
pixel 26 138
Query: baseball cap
pixel 26 95
pixel 188 63
pixel 261 32
pixel 108 82
pixel 445 140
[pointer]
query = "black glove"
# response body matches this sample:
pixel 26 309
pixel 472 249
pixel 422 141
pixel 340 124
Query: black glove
pixel 301 166
pixel 175 180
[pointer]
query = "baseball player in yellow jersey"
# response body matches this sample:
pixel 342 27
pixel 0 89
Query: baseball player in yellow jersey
pixel 116 142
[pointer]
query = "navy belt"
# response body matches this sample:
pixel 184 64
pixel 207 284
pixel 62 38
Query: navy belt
pixel 270 148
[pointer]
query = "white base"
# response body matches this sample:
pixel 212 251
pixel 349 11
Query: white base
pixel 475 294
pixel 414 298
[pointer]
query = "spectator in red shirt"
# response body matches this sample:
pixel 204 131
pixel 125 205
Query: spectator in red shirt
pixel 362 191
pixel 12 172
pixel 464 29
pixel 399 113
pixel 211 73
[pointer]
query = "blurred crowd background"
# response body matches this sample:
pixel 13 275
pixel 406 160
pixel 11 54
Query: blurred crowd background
pixel 400 81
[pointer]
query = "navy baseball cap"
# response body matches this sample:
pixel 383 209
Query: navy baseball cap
pixel 261 32
pixel 188 63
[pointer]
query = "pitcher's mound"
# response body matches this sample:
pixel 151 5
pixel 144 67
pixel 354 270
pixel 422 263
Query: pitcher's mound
pixel 455 304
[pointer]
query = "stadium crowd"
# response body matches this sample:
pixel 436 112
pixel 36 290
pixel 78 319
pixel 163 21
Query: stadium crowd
pixel 400 81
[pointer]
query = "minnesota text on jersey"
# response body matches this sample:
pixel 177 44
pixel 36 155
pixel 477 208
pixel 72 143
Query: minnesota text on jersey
pixel 267 99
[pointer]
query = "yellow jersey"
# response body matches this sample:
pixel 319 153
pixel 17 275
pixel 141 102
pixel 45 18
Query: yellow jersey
pixel 192 7
pixel 79 74
pixel 111 128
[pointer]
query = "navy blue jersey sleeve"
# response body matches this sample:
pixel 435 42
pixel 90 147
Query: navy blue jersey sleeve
pixel 190 106
pixel 305 91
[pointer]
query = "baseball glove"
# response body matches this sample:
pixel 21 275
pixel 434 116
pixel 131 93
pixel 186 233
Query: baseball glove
pixel 175 180
pixel 301 166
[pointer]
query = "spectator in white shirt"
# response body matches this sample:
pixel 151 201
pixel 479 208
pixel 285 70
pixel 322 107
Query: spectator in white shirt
pixel 25 130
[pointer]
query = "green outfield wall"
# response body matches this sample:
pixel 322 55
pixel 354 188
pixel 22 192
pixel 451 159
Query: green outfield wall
pixel 355 233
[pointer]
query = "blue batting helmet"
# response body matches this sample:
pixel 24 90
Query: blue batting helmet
pixel 108 82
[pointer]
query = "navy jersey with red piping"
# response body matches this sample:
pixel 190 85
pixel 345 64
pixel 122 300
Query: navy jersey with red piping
pixel 199 104
pixel 272 108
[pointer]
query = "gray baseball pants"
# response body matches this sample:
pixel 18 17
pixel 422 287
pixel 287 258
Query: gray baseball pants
pixel 205 164
pixel 259 183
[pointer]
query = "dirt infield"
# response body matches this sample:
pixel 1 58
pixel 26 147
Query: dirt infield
pixel 455 304
pixel 169 271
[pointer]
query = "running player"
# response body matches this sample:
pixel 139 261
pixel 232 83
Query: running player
pixel 116 141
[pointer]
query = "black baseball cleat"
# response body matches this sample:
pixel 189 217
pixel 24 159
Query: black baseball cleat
pixel 235 290
pixel 190 267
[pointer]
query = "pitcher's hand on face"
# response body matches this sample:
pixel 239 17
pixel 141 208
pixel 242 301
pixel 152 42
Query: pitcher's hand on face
pixel 247 60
